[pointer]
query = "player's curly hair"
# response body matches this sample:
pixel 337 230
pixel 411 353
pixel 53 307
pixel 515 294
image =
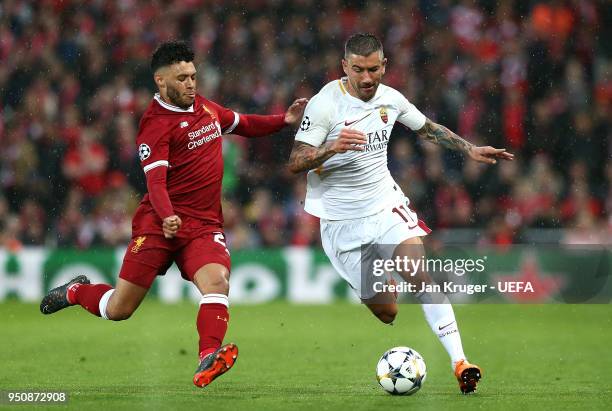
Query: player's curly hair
pixel 362 44
pixel 171 52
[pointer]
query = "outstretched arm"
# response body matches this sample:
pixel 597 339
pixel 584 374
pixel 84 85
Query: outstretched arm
pixel 306 157
pixel 438 134
pixel 255 125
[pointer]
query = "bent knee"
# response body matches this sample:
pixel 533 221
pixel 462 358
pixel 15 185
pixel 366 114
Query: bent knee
pixel 387 313
pixel 219 279
pixel 122 316
pixel 119 314
pixel 218 282
pixel 387 317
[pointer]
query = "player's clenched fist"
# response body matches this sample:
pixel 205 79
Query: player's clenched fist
pixel 171 226
pixel 349 139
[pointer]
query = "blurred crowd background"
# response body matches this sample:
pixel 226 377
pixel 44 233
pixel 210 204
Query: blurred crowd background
pixel 532 76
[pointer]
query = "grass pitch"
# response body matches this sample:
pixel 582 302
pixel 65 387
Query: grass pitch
pixel 308 357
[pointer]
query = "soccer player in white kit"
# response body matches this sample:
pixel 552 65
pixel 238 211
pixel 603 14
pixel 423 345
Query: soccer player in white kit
pixel 342 142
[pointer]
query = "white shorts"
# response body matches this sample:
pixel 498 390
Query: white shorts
pixel 343 241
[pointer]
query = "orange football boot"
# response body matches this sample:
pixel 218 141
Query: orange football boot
pixel 468 376
pixel 215 364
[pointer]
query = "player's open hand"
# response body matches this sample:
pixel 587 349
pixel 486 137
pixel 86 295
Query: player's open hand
pixel 171 226
pixel 294 113
pixel 349 139
pixel 489 155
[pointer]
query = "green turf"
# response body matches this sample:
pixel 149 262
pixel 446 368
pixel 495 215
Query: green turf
pixel 309 357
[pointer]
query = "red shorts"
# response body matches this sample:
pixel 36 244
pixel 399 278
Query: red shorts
pixel 148 256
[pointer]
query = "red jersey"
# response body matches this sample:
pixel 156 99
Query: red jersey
pixel 188 142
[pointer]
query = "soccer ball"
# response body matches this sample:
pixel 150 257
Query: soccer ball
pixel 401 371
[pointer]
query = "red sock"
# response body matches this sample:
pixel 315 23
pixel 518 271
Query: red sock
pixel 212 326
pixel 88 296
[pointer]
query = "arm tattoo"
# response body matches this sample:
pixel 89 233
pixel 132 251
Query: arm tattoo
pixel 438 134
pixel 306 157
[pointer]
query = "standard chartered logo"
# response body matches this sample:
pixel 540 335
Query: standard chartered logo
pixel 204 129
pixel 205 137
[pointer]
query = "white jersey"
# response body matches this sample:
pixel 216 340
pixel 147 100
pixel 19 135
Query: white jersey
pixel 354 184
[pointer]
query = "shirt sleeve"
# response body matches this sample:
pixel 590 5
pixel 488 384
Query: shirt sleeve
pixel 410 116
pixel 158 194
pixel 316 122
pixel 246 125
pixel 255 125
pixel 153 141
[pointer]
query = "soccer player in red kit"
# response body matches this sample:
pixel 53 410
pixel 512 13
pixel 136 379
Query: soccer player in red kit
pixel 179 219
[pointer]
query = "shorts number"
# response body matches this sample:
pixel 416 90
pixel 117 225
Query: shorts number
pixel 405 215
pixel 220 238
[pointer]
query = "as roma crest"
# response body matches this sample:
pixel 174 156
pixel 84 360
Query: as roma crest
pixel 383 115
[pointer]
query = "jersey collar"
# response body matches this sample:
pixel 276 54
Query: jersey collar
pixel 170 107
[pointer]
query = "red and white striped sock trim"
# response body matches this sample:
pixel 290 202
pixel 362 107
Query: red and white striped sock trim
pixel 215 299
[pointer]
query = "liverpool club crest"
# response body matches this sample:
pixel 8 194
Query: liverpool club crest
pixel 138 243
pixel 383 115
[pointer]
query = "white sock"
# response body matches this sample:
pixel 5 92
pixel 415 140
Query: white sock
pixel 441 320
pixel 214 299
pixel 104 303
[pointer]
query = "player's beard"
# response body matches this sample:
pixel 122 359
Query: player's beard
pixel 180 101
pixel 363 95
